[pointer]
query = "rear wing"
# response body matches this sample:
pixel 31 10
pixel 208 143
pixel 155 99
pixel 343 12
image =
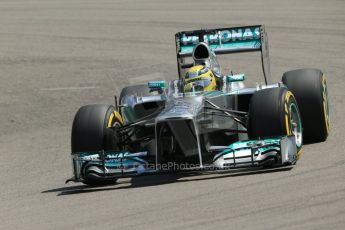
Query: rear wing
pixel 225 41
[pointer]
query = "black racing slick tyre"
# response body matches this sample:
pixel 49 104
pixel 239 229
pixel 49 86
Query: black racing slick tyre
pixel 90 132
pixel 310 89
pixel 90 128
pixel 274 112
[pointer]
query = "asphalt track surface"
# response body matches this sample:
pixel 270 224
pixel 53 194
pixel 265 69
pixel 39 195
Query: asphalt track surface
pixel 58 55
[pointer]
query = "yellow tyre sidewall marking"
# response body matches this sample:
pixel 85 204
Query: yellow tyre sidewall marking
pixel 287 98
pixel 324 96
pixel 113 115
pixel 110 121
pixel 287 123
pixel 119 117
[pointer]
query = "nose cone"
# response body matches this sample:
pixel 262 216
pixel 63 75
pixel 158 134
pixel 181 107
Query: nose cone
pixel 187 107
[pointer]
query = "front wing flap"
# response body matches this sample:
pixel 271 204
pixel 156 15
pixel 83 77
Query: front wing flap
pixel 274 152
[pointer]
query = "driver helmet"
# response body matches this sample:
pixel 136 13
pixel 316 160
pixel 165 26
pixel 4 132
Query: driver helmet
pixel 199 78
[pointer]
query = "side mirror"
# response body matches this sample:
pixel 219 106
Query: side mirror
pixel 236 77
pixel 156 85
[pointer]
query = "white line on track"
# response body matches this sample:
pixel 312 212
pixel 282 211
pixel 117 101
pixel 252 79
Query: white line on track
pixel 69 88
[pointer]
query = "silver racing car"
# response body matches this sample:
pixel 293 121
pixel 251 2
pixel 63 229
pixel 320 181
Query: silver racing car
pixel 205 119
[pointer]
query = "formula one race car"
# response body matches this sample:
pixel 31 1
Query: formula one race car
pixel 205 119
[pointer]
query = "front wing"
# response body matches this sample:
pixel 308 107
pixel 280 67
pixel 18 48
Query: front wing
pixel 279 151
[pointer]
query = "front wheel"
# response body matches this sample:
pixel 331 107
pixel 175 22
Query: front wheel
pixel 310 89
pixel 274 112
pixel 91 132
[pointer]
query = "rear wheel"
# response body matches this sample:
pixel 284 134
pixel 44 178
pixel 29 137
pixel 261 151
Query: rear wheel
pixel 90 132
pixel 310 89
pixel 274 112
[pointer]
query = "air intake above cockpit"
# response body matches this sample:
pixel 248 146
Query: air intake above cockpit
pixel 201 51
